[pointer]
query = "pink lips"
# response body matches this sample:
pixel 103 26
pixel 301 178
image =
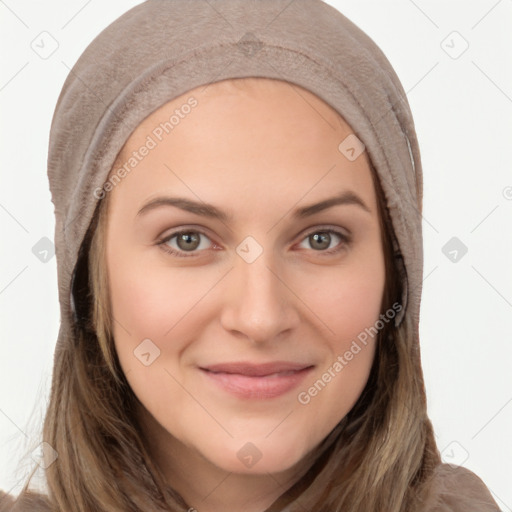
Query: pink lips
pixel 257 381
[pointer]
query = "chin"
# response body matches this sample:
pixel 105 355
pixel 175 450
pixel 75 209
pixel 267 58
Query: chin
pixel 258 457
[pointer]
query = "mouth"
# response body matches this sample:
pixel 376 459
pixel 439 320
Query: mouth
pixel 257 381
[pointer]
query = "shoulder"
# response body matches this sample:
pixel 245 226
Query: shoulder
pixel 28 501
pixel 457 489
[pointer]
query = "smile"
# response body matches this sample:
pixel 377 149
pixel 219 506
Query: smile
pixel 257 381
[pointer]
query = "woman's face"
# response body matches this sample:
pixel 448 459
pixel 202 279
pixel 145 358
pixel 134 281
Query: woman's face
pixel 242 338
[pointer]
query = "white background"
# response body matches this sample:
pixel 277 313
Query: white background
pixel 463 111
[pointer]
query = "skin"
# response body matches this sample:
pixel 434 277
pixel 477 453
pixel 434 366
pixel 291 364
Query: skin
pixel 273 148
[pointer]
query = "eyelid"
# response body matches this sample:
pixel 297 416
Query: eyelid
pixel 326 227
pixel 162 241
pixel 346 239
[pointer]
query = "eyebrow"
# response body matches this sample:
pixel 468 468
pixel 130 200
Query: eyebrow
pixel 208 210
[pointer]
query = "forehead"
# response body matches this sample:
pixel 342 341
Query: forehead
pixel 278 96
pixel 260 137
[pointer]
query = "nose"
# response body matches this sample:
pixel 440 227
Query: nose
pixel 258 303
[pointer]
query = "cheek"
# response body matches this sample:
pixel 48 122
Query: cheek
pixel 149 303
pixel 349 299
pixel 348 303
pixel 156 302
pixel 152 299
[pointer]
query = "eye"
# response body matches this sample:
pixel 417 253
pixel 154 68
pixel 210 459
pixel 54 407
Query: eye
pixel 190 241
pixel 322 239
pixel 327 241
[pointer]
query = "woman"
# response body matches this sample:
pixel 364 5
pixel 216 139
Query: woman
pixel 238 196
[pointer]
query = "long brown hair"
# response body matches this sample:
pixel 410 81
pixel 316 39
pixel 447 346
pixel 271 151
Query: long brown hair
pixel 379 457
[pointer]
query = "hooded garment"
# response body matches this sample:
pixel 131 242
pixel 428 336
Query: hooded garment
pixel 163 48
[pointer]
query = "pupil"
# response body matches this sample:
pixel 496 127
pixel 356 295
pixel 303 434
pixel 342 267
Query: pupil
pixel 191 240
pixel 323 239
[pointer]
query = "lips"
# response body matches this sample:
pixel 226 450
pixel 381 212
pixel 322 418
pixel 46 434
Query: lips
pixel 257 381
pixel 256 370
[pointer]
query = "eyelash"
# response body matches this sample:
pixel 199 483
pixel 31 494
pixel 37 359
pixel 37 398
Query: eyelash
pixel 345 241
